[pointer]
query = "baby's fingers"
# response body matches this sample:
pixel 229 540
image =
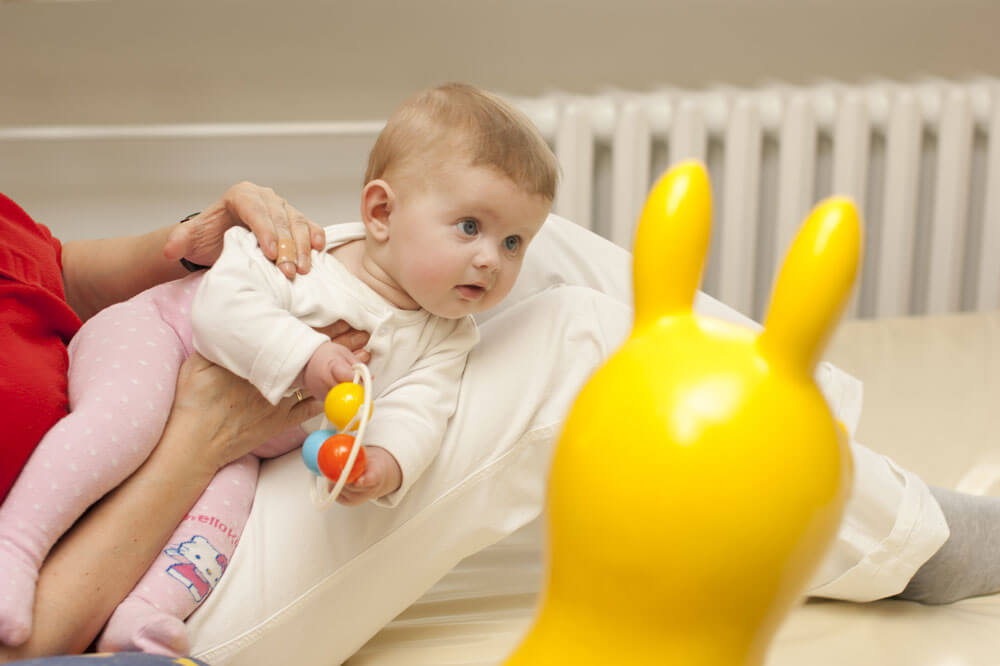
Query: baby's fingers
pixel 366 482
pixel 343 370
pixel 352 497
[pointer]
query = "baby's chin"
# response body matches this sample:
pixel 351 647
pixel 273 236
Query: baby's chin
pixel 454 313
pixel 459 311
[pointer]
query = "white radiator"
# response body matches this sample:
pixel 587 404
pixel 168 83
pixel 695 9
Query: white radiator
pixel 922 161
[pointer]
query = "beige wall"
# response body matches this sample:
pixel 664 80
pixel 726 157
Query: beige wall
pixel 133 61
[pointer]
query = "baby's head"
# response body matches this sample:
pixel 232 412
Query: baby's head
pixel 458 184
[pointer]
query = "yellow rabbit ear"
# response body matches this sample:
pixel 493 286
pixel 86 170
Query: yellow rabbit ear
pixel 671 243
pixel 814 284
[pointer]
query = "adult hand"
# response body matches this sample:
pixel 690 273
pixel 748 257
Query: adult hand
pixel 285 235
pixel 228 417
pixel 221 417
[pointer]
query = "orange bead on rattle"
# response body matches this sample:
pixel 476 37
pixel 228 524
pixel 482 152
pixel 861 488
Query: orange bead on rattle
pixel 325 453
pixel 333 455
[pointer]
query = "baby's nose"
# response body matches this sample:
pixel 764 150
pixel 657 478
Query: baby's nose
pixel 487 259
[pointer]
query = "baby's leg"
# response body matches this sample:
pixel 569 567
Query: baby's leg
pixel 151 618
pixel 123 370
pixel 968 564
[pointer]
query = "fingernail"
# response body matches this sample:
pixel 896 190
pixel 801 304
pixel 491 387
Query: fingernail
pixel 272 247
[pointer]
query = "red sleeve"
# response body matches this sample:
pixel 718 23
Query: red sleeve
pixel 36 323
pixel 56 248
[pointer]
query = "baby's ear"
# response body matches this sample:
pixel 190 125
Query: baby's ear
pixel 377 203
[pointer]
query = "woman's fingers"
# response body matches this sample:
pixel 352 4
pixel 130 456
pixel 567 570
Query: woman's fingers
pixel 342 333
pixel 277 213
pixel 317 234
pixel 285 235
pixel 289 412
pixel 296 234
pixel 335 330
pixel 304 234
pixel 246 205
pixel 298 410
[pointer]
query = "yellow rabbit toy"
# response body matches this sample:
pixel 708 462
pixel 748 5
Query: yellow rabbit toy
pixel 700 476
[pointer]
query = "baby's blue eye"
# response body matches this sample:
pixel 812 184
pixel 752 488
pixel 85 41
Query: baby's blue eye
pixel 512 243
pixel 469 227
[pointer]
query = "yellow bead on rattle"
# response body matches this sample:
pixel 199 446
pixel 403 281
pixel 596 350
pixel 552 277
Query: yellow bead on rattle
pixel 342 403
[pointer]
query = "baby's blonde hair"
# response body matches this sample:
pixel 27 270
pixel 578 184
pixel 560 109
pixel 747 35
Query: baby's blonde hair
pixel 478 125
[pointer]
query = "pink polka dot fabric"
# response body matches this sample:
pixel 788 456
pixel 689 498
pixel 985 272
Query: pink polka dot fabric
pixel 122 376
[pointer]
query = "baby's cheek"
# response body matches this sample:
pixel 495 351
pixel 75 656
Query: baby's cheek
pixel 502 287
pixel 429 273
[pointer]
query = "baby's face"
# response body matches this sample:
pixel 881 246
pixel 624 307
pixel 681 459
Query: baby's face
pixel 457 242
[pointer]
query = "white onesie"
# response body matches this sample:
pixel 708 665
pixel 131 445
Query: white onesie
pixel 250 319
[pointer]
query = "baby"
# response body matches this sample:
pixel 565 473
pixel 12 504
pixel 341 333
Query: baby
pixel 458 184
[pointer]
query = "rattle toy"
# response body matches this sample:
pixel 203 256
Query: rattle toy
pixel 690 544
pixel 332 454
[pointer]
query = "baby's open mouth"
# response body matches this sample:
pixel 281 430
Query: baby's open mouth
pixel 471 291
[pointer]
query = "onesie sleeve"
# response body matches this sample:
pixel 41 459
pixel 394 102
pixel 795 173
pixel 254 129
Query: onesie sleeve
pixel 242 318
pixel 411 415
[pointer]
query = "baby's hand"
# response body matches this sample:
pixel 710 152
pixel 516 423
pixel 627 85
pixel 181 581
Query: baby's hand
pixel 329 365
pixel 382 476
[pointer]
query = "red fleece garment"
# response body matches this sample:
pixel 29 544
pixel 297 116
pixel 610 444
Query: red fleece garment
pixel 36 324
